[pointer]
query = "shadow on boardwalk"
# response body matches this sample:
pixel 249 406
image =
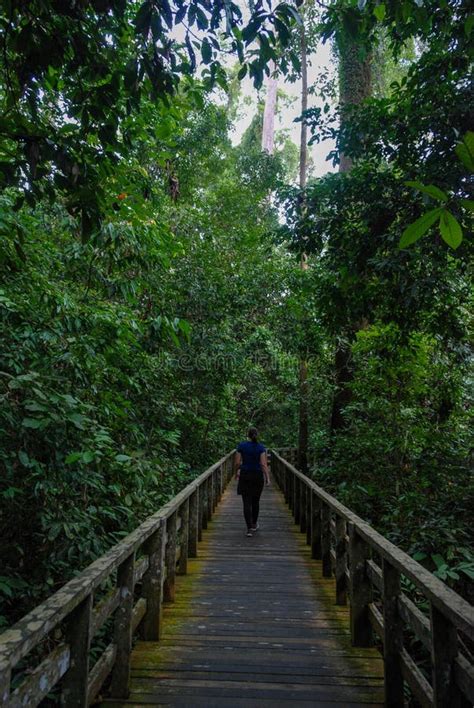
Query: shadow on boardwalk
pixel 254 624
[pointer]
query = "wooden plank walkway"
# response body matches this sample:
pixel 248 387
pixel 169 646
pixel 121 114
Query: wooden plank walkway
pixel 254 624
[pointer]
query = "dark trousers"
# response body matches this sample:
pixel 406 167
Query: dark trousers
pixel 251 508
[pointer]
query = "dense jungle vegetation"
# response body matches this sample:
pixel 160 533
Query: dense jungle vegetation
pixel 152 303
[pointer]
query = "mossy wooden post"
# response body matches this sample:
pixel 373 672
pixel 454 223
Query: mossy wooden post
pixel 297 501
pixel 341 561
pixel 202 508
pixel 287 482
pixel 316 547
pixel 361 590
pixel 75 681
pixel 153 579
pixel 170 558
pixel 184 540
pixel 392 637
pixel 326 540
pixel 210 496
pixel 291 484
pixel 303 521
pixel 193 523
pixel 119 685
pixel 309 518
pixel 214 482
pixel 217 485
pixel 444 649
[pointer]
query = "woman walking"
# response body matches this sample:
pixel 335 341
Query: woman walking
pixel 251 472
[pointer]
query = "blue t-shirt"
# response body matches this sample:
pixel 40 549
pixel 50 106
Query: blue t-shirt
pixel 250 452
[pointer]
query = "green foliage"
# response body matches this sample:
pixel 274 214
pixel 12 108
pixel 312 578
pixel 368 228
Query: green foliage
pixel 396 303
pixel 131 360
pixel 151 306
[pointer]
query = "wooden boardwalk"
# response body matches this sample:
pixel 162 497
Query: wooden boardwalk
pixel 254 624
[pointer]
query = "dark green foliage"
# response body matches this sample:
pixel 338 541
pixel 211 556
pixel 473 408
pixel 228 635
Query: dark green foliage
pixel 150 308
pixel 395 302
pixel 132 361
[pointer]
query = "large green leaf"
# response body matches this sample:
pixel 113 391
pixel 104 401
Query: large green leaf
pixel 465 150
pixel 429 189
pixel 379 12
pixel 32 423
pixel 450 229
pixel 419 227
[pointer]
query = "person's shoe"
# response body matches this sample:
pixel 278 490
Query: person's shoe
pixel 249 533
pixel 255 528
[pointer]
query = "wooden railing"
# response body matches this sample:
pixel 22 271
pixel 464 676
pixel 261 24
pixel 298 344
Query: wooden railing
pixel 128 585
pixel 369 571
pixel 290 454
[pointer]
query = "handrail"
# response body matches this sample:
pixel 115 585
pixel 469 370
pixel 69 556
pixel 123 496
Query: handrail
pixel 166 540
pixel 345 545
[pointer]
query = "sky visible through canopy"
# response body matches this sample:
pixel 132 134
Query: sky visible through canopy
pixel 321 61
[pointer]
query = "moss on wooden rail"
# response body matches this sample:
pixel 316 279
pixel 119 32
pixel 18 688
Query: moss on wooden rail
pixel 78 611
pixel 349 557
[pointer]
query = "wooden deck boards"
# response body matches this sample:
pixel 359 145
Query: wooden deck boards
pixel 254 624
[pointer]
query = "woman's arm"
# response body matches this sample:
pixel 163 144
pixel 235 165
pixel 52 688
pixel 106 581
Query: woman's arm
pixel 237 463
pixel 264 466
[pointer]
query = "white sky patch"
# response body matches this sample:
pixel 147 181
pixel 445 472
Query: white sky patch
pixel 322 62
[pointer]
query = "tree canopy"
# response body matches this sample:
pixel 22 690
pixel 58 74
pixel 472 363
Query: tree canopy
pixel 151 304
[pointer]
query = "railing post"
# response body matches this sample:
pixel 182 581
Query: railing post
pixel 341 561
pixel 291 493
pixel 297 500
pixel 215 489
pixel 316 549
pixel 153 584
pixel 203 507
pixel 193 523
pixel 444 649
pixel 210 496
pixel 119 686
pixel 309 518
pixel 393 637
pixel 302 507
pixel 361 590
pixel 184 540
pixel 285 481
pixel 75 681
pixel 170 559
pixel 326 540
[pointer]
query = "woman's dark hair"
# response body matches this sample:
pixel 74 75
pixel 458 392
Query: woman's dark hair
pixel 252 434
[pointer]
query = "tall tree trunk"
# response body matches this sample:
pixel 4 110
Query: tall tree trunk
pixel 355 85
pixel 268 132
pixel 303 432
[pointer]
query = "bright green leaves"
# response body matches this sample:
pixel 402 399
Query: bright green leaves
pixel 379 12
pixel 419 227
pixel 429 189
pixel 465 151
pixel 450 229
